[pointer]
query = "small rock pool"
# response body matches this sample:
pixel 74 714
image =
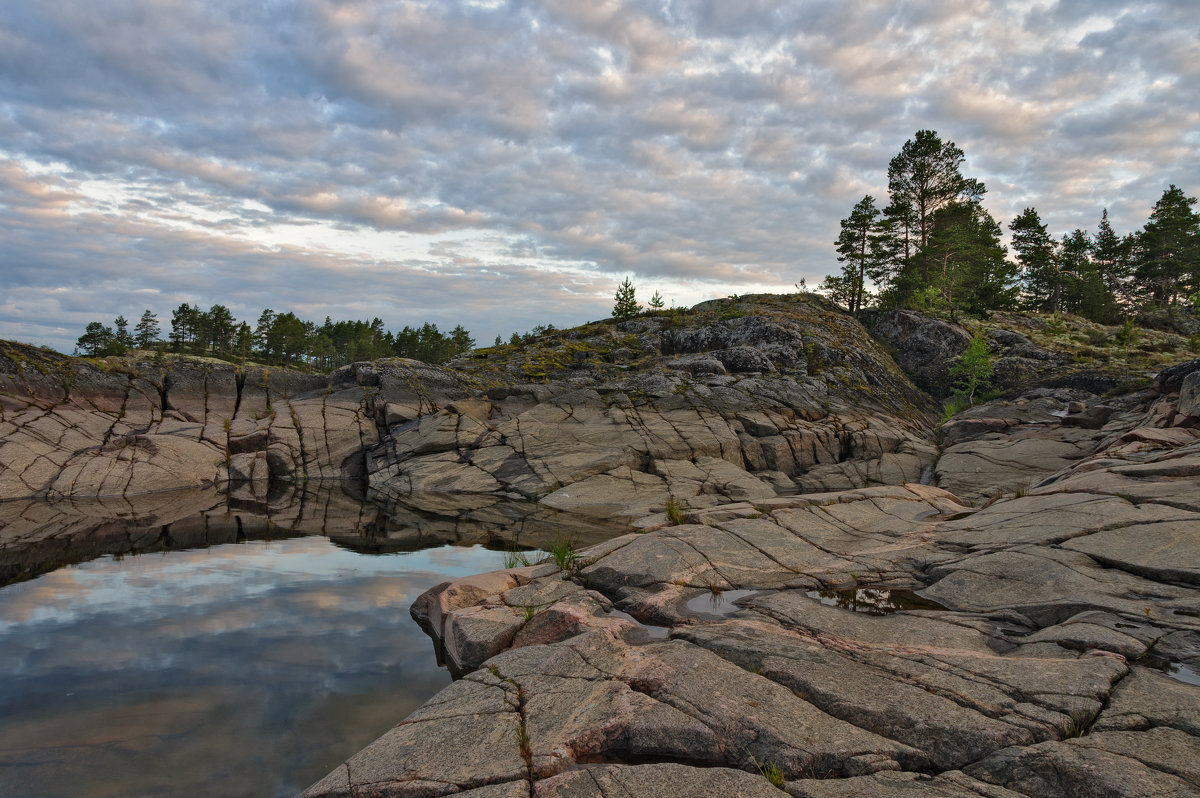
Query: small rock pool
pixel 246 668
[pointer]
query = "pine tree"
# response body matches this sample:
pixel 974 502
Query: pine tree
pixel 1111 256
pixel 626 305
pixel 656 301
pixel 122 337
pixel 221 329
pixel 1168 259
pixel 96 340
pixel 973 370
pixel 1037 255
pixel 967 262
pixel 863 252
pixel 147 331
pixel 923 178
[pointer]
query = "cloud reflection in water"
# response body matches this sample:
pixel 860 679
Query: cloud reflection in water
pixel 243 669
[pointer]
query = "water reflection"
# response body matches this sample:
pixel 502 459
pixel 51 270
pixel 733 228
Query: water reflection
pixel 38 537
pixel 874 601
pixel 192 645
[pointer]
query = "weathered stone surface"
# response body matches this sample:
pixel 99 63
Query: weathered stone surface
pixel 598 781
pixel 1016 679
pixel 1189 395
pixel 888 784
pixel 1159 762
pixel 924 347
pixel 796 604
pixel 73 430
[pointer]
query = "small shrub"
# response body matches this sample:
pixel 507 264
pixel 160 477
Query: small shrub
pixel 812 359
pixel 730 310
pixel 973 371
pixel 954 405
pixel 1127 335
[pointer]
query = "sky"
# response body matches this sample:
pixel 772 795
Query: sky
pixel 506 163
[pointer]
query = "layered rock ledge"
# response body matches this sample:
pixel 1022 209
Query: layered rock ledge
pixel 1052 649
pixel 1026 627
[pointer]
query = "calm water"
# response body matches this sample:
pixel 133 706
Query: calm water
pixel 246 668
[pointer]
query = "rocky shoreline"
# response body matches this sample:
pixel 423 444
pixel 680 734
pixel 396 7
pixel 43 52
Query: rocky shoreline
pixel 820 589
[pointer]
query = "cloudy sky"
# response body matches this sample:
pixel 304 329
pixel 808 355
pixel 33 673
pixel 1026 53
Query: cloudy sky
pixel 504 163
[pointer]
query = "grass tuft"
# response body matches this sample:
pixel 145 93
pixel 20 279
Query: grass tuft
pixel 513 558
pixel 675 512
pixel 771 772
pixel 562 551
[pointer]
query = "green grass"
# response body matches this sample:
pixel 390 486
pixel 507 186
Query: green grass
pixel 515 559
pixel 675 512
pixel 562 551
pixel 771 772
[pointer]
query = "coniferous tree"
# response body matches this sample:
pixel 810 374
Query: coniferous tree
pixel 924 178
pixel 221 328
pixel 262 334
pixel 1037 256
pixel 967 262
pixel 626 305
pixel 461 340
pixel 1168 249
pixel 121 335
pixel 1084 290
pixel 96 341
pixel 147 331
pixel 1111 256
pixel 863 251
pixel 656 301
pixel 183 327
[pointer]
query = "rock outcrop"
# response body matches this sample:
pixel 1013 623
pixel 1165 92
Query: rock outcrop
pixel 797 580
pixel 740 400
pixel 890 640
pixel 70 428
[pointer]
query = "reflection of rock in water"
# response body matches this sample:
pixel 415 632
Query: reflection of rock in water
pixel 874 601
pixel 424 520
pixel 37 537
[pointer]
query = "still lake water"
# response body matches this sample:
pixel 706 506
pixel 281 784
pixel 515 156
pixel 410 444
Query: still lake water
pixel 246 667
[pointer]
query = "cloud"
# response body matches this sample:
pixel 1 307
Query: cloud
pixel 505 164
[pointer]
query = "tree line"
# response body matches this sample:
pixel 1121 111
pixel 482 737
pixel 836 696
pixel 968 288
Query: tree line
pixel 934 247
pixel 279 339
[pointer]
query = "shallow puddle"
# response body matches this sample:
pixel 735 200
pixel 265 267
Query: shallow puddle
pixel 1176 670
pixel 874 600
pixel 1184 674
pixel 718 603
pixel 655 632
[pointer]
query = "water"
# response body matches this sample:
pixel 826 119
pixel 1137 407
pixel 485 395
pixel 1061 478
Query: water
pixel 873 600
pixel 136 664
pixel 719 603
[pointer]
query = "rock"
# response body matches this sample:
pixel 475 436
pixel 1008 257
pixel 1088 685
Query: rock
pixel 1007 673
pixel 925 348
pixel 596 781
pixel 1189 395
pixel 1159 762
